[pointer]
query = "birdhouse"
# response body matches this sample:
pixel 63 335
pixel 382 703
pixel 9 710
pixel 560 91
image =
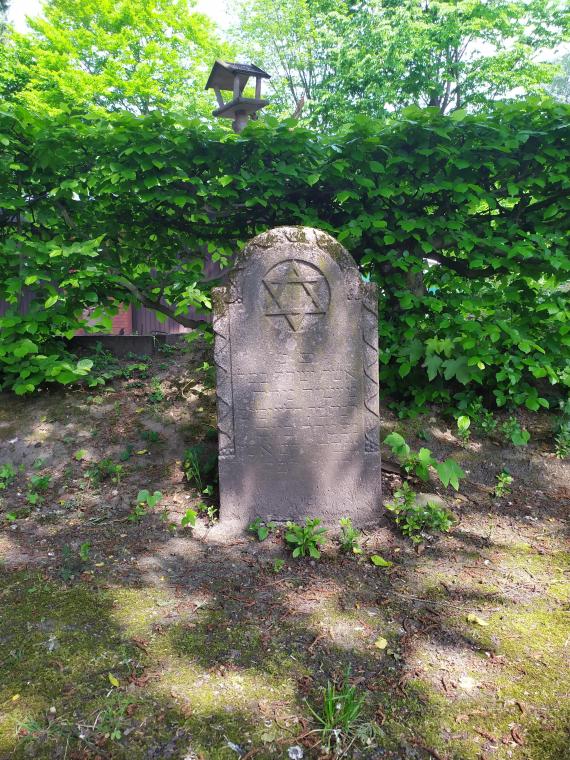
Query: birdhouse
pixel 234 77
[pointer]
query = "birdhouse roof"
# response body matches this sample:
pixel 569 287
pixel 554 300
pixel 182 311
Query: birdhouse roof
pixel 222 74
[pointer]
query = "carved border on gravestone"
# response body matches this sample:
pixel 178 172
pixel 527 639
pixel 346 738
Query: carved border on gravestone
pixel 371 381
pixel 223 362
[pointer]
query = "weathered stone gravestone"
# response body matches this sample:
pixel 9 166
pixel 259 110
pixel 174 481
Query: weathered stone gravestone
pixel 296 353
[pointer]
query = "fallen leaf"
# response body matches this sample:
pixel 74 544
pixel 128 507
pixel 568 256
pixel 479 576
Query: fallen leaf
pixel 113 680
pixel 472 618
pixel 381 643
pixel 379 561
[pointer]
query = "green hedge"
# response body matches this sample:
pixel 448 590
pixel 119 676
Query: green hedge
pixel 462 221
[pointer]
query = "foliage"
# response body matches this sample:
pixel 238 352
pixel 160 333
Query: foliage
pixel 562 441
pixel 349 537
pixel 378 56
pixel 111 54
pixel 200 467
pixel 37 485
pixel 304 540
pixel 483 420
pixel 339 714
pixel 7 475
pixel 260 528
pixel 72 562
pixel 562 431
pixel 145 501
pixel 503 484
pixel 462 221
pixel 106 469
pixel 278 565
pixel 415 519
pixel 513 431
pixel 189 518
pixel 463 425
pixel 419 463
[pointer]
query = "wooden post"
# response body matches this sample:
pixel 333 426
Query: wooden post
pixel 258 88
pixel 236 86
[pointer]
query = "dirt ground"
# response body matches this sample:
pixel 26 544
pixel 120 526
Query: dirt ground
pixel 143 639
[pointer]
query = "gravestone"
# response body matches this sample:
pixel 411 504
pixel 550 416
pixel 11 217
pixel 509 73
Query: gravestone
pixel 296 354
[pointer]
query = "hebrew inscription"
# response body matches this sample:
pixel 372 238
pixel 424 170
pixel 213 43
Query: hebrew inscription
pixel 296 355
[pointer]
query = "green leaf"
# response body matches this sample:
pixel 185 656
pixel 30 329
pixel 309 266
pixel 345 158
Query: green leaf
pixel 189 518
pixel 25 347
pixel 51 301
pixel 450 473
pixel 379 561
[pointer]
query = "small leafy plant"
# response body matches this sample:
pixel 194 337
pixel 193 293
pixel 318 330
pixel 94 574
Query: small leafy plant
pixel 37 485
pixel 278 565
pixel 114 717
pixel 151 436
pixel 156 394
pixel 199 468
pixel 339 715
pixel 74 562
pixel 189 518
pixel 7 475
pixel 349 537
pixel 502 486
pixel 260 528
pixel 419 463
pixel 463 431
pixel 512 431
pixel 145 501
pixel 304 540
pixel 106 469
pixel 415 519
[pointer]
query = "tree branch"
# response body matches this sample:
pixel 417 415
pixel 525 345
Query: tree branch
pixel 159 305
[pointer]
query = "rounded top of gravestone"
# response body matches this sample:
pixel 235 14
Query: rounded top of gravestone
pixel 281 237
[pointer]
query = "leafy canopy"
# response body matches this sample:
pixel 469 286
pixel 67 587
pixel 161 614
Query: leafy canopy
pixel 112 54
pixel 378 56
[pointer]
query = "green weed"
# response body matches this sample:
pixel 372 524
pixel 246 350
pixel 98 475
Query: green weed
pixel 305 539
pixel 502 487
pixel 419 463
pixel 106 469
pixel 414 519
pixel 260 528
pixel 144 502
pixel 339 715
pixel 513 432
pixel 349 537
pixel 7 475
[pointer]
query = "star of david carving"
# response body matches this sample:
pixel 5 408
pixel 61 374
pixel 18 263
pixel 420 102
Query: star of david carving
pixel 294 295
